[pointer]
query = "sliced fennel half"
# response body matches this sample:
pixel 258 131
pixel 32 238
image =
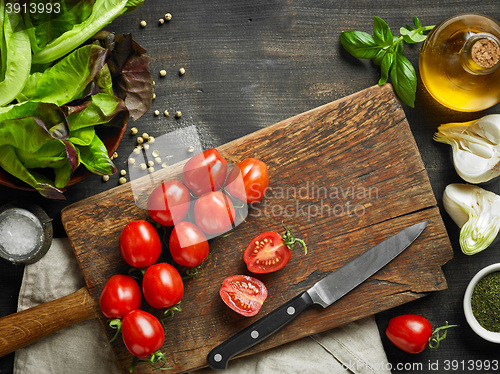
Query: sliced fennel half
pixel 476 147
pixel 476 211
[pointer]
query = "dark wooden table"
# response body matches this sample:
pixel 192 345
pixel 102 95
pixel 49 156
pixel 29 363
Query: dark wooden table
pixel 251 64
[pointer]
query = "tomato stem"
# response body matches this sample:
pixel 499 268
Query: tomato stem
pixel 291 241
pixel 436 338
pixel 192 272
pixel 155 358
pixel 169 312
pixel 117 325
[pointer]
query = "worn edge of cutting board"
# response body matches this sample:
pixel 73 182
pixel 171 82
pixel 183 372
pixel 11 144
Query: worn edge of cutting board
pixel 347 116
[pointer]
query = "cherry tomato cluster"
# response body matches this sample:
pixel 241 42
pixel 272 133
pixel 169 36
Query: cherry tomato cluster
pixel 206 176
pixel 121 297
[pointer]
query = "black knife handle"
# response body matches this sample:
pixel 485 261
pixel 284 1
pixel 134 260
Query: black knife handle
pixel 258 331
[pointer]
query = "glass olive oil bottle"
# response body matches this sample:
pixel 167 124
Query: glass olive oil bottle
pixel 459 62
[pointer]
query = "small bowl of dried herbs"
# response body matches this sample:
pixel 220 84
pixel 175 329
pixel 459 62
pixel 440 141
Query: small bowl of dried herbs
pixel 482 303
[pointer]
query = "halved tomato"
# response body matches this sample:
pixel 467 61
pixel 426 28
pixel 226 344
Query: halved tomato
pixel 243 294
pixel 269 251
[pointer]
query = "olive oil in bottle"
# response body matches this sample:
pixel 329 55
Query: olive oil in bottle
pixel 459 62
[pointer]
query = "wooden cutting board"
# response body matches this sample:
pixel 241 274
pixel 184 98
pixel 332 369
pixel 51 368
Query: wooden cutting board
pixel 343 177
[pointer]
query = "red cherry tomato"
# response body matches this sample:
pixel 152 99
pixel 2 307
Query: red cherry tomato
pixel 121 294
pixel 214 213
pixel 162 286
pixel 188 244
pixel 140 244
pixel 248 181
pixel 142 333
pixel 205 172
pixel 269 251
pixel 409 332
pixel 169 203
pixel 243 294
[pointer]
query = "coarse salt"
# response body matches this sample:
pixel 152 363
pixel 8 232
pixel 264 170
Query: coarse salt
pixel 20 232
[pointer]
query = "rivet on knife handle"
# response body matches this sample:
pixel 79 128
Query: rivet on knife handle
pixel 258 331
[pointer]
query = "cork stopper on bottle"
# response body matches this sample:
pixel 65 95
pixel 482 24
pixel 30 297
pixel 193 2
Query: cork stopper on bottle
pixel 485 53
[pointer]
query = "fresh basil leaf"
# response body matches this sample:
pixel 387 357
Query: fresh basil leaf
pixel 16 57
pixel 385 68
pixel 95 157
pixel 381 32
pixel 359 44
pixel 412 36
pixel 404 79
pixel 417 22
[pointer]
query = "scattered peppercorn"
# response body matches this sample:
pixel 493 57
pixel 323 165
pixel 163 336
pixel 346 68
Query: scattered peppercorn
pixel 151 139
pixel 140 140
pixel 157 112
pixel 105 178
pixel 151 169
pixel 168 17
pixel 123 172
pixel 182 71
pixel 163 72
pixel 161 21
pixel 134 131
pixel 115 155
pixel 143 23
pixel 154 96
pixel 178 114
pixel 166 113
pixel 122 180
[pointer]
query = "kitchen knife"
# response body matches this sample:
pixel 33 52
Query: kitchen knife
pixel 325 292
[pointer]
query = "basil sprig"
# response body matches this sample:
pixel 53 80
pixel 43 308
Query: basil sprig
pixel 386 50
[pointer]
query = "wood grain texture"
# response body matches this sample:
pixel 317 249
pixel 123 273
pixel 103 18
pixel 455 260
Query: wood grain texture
pixel 20 329
pixel 343 176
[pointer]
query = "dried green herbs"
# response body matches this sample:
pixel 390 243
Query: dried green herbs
pixel 485 302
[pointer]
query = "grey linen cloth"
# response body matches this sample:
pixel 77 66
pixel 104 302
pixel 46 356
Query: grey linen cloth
pixel 83 348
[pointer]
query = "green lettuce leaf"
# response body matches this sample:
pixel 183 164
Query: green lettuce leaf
pixel 16 57
pixel 103 12
pixel 95 157
pixel 66 80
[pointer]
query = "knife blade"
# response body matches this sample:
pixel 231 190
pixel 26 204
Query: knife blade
pixel 325 292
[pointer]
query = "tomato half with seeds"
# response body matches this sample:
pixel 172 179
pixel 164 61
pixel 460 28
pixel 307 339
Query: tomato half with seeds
pixel 205 172
pixel 121 294
pixel 169 203
pixel 248 180
pixel 269 251
pixel 188 245
pixel 162 286
pixel 142 333
pixel 243 294
pixel 140 244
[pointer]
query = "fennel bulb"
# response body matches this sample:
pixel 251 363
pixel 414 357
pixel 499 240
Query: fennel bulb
pixel 476 147
pixel 476 211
